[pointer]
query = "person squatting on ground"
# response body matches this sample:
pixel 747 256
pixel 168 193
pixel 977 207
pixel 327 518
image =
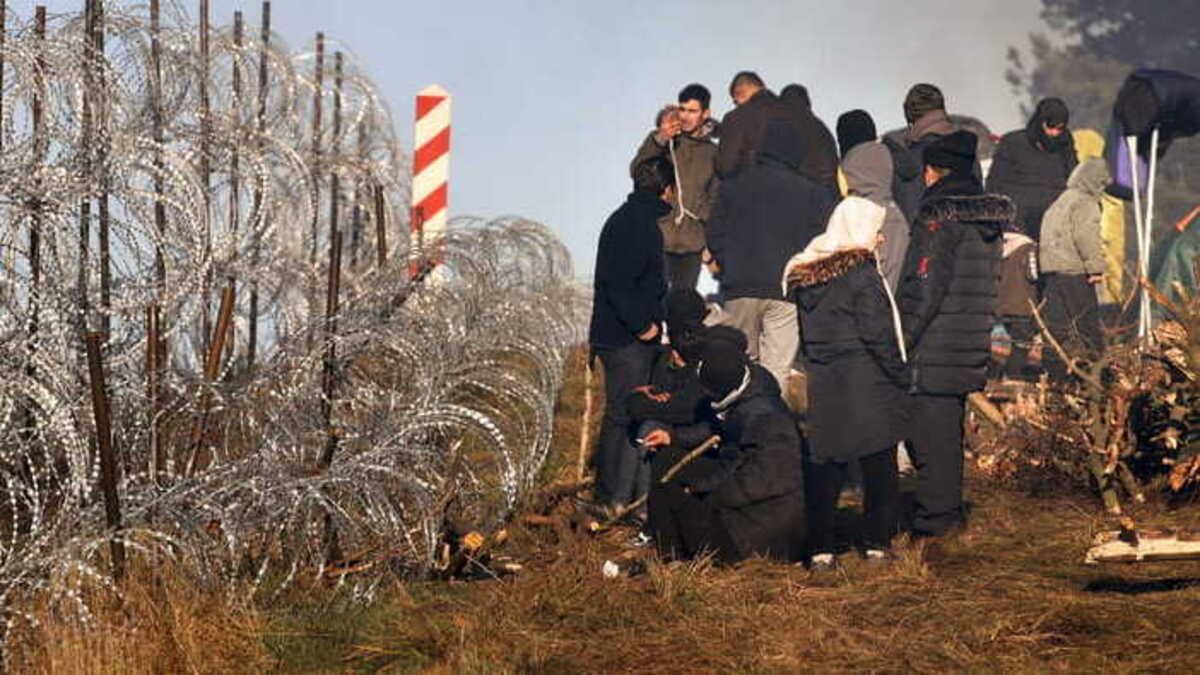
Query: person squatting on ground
pixel 868 170
pixel 1072 265
pixel 1014 311
pixel 626 312
pixel 747 497
pixel 947 301
pixel 1031 165
pixel 672 409
pixel 856 377
pixel 684 134
pixel 765 213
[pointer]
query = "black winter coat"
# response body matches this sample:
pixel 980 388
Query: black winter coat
pixel 629 285
pixel 1031 172
pixel 764 215
pixel 758 492
pixel 949 287
pixel 688 411
pixel 742 131
pixel 856 377
pixel 820 161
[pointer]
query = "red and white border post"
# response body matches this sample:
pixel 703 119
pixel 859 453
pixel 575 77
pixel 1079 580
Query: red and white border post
pixel 431 173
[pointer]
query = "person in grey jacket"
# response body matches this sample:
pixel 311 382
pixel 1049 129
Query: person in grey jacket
pixel 1072 264
pixel 868 170
pixel 684 135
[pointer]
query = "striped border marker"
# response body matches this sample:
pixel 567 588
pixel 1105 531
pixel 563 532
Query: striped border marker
pixel 431 173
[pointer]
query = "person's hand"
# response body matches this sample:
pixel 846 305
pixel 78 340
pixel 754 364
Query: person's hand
pixel 1094 279
pixel 649 334
pixel 659 438
pixel 669 127
pixel 649 391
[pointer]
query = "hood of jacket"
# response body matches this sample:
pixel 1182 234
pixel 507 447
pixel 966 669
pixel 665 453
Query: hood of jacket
pixel 761 384
pixel 932 122
pixel 854 225
pixel 1090 177
pixel 782 143
pixel 868 168
pixel 989 213
pixel 1050 111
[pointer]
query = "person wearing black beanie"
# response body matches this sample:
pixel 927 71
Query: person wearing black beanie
pixel 947 299
pixel 1031 165
pixel 747 497
pixel 854 128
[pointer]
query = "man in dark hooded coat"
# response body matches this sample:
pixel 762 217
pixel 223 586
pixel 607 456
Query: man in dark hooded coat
pixel 947 297
pixel 1031 165
pixel 820 161
pixel 763 215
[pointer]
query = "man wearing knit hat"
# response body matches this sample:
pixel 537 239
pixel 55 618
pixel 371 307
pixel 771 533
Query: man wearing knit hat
pixel 746 499
pixel 1032 165
pixel 947 299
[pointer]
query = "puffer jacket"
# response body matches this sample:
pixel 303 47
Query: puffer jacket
pixel 1032 170
pixel 949 288
pixel 1071 242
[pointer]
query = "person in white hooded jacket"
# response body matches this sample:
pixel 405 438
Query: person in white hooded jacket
pixel 856 375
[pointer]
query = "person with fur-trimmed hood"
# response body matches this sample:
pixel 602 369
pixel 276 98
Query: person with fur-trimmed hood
pixel 1031 165
pixel 947 301
pixel 856 376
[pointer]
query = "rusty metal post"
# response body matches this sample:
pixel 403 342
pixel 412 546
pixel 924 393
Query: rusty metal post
pixel 356 218
pixel 252 327
pixel 103 217
pixel 158 453
pixel 108 458
pixel 235 185
pixel 212 369
pixel 206 171
pixel 85 142
pixel 380 227
pixel 329 372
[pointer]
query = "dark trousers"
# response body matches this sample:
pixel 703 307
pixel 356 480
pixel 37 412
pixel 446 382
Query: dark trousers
pixel 1022 330
pixel 682 269
pixel 1072 315
pixel 616 459
pixel 881 494
pixel 683 525
pixel 936 446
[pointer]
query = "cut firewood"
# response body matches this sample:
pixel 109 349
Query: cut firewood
pixel 1129 546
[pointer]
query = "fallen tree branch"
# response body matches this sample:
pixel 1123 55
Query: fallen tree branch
pixel 1062 353
pixel 666 478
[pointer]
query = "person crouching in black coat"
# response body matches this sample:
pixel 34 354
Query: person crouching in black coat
pixel 856 376
pixel 747 499
pixel 948 297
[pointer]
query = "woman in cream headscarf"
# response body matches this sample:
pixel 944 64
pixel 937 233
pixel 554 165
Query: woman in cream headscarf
pixel 856 375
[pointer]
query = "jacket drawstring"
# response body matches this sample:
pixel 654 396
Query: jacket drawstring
pixel 895 312
pixel 683 210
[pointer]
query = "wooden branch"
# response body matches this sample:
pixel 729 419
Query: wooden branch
pixel 585 429
pixel 986 408
pixel 1062 354
pixel 675 468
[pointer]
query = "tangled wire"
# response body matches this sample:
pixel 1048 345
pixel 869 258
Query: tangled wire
pixel 311 427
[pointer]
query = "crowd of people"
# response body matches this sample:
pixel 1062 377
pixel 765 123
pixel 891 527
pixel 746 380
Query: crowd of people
pixel 880 267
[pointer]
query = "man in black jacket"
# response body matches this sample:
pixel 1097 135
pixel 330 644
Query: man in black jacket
pixel 763 215
pixel 748 497
pixel 1031 165
pixel 626 312
pixel 742 129
pixel 947 303
pixel 820 161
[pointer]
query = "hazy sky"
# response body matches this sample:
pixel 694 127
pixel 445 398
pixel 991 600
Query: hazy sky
pixel 552 98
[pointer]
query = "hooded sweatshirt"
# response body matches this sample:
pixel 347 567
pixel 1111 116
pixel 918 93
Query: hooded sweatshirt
pixel 868 171
pixel 1031 168
pixel 1071 242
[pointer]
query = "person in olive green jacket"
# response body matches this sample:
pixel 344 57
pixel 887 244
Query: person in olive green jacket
pixel 684 134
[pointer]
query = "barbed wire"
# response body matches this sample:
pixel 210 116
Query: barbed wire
pixel 442 391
